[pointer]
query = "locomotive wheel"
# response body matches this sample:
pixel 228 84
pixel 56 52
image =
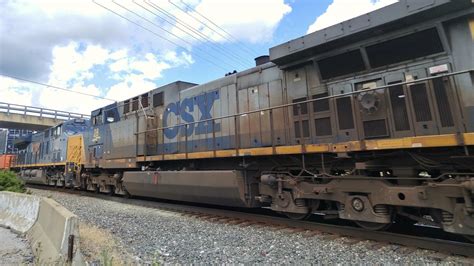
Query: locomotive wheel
pixel 298 216
pixel 373 226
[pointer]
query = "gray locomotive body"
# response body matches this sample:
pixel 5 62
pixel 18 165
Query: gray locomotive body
pixel 367 120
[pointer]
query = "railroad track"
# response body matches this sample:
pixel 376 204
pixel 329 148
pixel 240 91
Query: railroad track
pixel 412 238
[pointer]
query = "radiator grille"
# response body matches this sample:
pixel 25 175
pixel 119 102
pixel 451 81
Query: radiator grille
pixel 400 114
pixel 344 113
pixel 300 109
pixel 444 108
pixel 321 105
pixel 323 126
pixel 375 128
pixel 420 102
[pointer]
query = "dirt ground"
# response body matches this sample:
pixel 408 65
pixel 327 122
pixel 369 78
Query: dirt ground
pixel 14 249
pixel 98 245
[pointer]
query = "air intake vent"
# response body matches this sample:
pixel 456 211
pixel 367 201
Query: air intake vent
pixel 321 105
pixel 344 113
pixel 443 103
pixel 375 128
pixel 400 114
pixel 420 102
pixel 323 126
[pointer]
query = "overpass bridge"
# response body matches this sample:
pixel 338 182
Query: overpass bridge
pixel 17 116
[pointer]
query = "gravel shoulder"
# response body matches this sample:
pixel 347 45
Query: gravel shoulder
pixel 130 233
pixel 14 249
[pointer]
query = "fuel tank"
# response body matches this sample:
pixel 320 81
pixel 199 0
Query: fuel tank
pixel 212 187
pixel 33 176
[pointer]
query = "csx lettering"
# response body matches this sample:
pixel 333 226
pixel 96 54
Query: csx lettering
pixel 185 109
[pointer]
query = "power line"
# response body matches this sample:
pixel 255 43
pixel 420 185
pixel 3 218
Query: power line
pixel 156 34
pixel 165 29
pixel 193 30
pixel 232 38
pixel 227 52
pixel 56 87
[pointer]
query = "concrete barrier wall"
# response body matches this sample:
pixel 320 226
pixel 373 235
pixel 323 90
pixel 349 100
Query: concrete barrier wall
pixel 52 230
pixel 18 211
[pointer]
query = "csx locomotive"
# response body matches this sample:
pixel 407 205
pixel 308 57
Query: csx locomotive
pixel 370 120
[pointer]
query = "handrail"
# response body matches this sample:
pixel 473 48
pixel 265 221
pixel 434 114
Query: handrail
pixel 310 101
pixel 10 108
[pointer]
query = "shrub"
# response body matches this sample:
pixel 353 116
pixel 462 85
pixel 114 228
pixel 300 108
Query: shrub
pixel 10 182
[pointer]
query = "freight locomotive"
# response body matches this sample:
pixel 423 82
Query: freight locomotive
pixel 369 120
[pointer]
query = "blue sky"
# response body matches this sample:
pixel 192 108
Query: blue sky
pixel 83 46
pixel 293 25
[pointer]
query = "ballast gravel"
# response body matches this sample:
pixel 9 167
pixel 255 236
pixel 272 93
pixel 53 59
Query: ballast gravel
pixel 153 235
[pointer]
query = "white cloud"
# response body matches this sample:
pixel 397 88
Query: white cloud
pixel 136 75
pixel 247 20
pixel 71 64
pixel 80 46
pixel 73 69
pixel 131 86
pixel 341 10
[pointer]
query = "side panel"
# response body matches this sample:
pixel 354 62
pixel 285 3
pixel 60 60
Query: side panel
pixel 461 38
pixel 244 122
pixel 278 120
pixel 120 140
pixel 299 116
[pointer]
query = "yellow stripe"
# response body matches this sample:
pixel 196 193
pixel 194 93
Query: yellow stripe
pixel 346 146
pixel 178 156
pixel 39 165
pixel 200 155
pixel 256 151
pixel 435 141
pixel 295 149
pixel 447 140
pixel 468 138
pixel 226 153
pixel 316 148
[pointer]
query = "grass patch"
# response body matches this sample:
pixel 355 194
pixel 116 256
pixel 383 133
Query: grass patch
pixel 10 182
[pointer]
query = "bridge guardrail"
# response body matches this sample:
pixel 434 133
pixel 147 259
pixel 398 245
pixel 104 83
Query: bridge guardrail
pixel 39 112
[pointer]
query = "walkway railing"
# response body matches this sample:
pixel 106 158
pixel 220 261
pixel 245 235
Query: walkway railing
pixel 9 108
pixel 290 107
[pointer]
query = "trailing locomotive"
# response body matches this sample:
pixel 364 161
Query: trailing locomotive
pixel 370 120
pixel 53 155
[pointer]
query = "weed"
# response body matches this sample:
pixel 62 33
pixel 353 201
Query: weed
pixel 107 260
pixel 10 182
